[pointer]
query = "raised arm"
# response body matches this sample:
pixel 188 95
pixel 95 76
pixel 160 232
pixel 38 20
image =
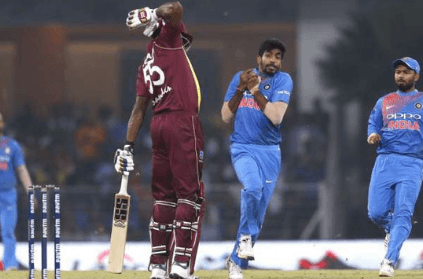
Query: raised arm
pixel 171 12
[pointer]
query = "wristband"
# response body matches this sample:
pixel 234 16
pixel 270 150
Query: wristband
pixel 131 145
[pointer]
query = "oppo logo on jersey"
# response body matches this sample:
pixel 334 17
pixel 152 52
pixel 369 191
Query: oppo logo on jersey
pixel 404 116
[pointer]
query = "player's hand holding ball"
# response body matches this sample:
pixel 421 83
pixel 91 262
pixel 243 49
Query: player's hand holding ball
pixel 373 138
pixel 253 83
pixel 141 17
pixel 124 160
pixel 243 79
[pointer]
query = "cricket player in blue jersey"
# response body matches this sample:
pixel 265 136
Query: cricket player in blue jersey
pixel 257 100
pixel 396 124
pixel 11 163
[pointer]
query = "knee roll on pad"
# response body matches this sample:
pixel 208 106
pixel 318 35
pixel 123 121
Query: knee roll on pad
pixel 164 212
pixel 187 211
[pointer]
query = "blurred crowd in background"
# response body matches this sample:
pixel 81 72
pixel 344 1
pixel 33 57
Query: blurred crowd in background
pixel 74 148
pixel 339 55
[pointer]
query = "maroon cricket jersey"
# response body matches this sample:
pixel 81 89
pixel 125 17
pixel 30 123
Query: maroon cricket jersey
pixel 166 77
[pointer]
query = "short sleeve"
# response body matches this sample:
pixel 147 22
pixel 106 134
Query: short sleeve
pixel 18 158
pixel 141 88
pixel 375 122
pixel 283 88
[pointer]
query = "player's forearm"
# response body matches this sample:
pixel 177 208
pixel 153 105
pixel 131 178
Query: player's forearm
pixel 171 12
pixel 136 119
pixel 226 113
pixel 24 176
pixel 273 111
pixel 236 99
pixel 259 98
pixel 274 114
pixel 229 108
pixel 134 125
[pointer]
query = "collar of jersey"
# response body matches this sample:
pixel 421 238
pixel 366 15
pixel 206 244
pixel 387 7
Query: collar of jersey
pixel 404 93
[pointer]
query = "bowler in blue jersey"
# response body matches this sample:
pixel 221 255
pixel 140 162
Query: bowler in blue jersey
pixel 395 124
pixel 257 100
pixel 12 163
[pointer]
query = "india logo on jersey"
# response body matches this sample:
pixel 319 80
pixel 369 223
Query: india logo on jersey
pixel 249 103
pixel 3 166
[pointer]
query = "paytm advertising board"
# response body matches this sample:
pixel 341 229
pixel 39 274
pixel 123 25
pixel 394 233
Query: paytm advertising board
pixel 283 255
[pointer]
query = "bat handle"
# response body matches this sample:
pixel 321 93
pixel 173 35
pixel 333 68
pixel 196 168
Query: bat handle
pixel 124 185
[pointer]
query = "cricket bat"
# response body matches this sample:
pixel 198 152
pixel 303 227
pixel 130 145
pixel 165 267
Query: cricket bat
pixel 119 228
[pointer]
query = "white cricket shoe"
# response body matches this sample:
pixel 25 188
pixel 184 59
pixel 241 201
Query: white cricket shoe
pixel 245 248
pixel 180 271
pixel 234 270
pixel 386 241
pixel 158 271
pixel 386 269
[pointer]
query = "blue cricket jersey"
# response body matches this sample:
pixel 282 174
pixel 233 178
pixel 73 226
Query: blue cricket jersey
pixel 397 118
pixel 10 158
pixel 251 126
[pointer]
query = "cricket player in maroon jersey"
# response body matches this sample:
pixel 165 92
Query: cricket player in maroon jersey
pixel 167 80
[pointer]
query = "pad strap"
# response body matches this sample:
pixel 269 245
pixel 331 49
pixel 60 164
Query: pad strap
pixel 165 203
pixel 196 206
pixel 160 227
pixel 155 250
pixel 184 225
pixel 183 251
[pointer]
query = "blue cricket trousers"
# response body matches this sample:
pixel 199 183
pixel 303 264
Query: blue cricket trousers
pixel 257 168
pixel 8 221
pixel 394 187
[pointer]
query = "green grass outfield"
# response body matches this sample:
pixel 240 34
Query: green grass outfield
pixel 217 274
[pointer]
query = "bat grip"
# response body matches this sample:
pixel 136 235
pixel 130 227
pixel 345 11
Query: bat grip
pixel 124 185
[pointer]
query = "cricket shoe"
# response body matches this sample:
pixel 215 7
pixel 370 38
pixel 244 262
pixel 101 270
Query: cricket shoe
pixel 245 248
pixel 158 271
pixel 386 269
pixel 234 270
pixel 180 271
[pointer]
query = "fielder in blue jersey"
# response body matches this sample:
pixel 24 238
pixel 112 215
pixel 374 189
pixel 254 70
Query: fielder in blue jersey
pixel 11 163
pixel 257 100
pixel 396 124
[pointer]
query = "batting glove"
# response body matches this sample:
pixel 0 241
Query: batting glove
pixel 124 160
pixel 141 17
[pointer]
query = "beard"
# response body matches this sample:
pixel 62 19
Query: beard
pixel 404 87
pixel 266 71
